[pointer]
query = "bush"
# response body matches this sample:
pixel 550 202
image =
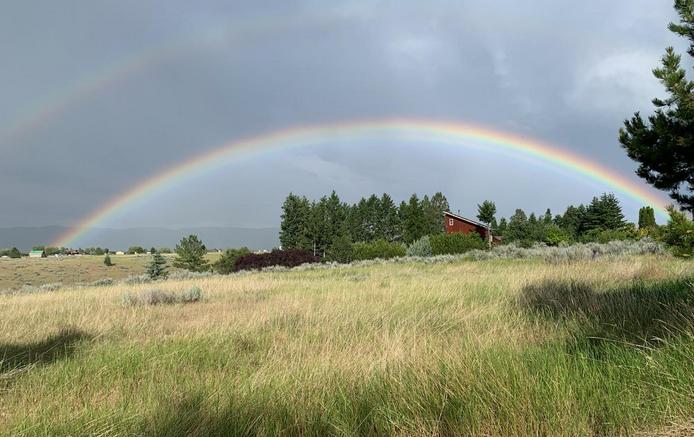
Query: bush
pixel 455 243
pixel 575 252
pixel 107 261
pixel 341 250
pixel 102 282
pixel 11 253
pixel 137 279
pixel 421 247
pixel 378 249
pixel 285 258
pixel 134 250
pixel 157 296
pixel 225 264
pixel 607 235
pixel 556 236
pixel 679 233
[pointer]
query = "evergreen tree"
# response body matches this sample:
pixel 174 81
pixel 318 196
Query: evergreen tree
pixel 294 227
pixel 501 228
pixel 157 268
pixel 646 218
pixel 190 254
pixel 573 219
pixel 107 261
pixel 432 222
pixel 327 220
pixel 603 213
pixel 414 223
pixel 14 253
pixel 517 227
pixel 486 212
pixel 547 218
pixel 318 228
pixel 439 205
pixel 370 215
pixel 335 214
pixel 663 145
pixel 389 219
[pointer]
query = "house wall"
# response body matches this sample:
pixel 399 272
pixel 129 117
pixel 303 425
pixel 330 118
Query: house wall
pixel 454 225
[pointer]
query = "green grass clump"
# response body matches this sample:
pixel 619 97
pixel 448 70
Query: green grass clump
pixel 155 296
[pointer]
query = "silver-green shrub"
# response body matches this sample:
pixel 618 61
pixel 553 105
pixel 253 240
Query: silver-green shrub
pixel 421 247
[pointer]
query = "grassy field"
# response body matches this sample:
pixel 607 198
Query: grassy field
pixel 71 270
pixel 500 347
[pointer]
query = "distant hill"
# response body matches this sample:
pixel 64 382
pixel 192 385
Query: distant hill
pixel 24 238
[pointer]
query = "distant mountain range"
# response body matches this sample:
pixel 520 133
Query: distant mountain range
pixel 24 238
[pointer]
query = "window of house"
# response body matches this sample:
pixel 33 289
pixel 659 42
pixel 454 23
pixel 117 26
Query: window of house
pixel 450 222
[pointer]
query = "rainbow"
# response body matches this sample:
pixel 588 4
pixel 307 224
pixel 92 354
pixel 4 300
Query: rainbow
pixel 447 133
pixel 227 35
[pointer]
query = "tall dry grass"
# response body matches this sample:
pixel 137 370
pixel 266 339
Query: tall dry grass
pixel 410 348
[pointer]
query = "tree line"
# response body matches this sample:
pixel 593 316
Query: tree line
pixel 316 225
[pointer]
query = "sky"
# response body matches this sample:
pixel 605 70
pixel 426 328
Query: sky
pixel 99 96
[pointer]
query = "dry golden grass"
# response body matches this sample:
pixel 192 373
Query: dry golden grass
pixel 393 348
pixel 71 270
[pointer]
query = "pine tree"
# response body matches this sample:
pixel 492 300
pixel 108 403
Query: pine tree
pixel 439 205
pixel 107 261
pixel 157 268
pixel 573 220
pixel 389 220
pixel 646 218
pixel 190 254
pixel 500 230
pixel 603 213
pixel 663 145
pixel 414 224
pixel 547 218
pixel 486 212
pixel 517 227
pixel 294 227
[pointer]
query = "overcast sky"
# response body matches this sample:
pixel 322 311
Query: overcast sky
pixel 97 96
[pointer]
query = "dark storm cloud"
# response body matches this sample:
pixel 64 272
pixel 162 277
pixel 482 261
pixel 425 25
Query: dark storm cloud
pixel 566 73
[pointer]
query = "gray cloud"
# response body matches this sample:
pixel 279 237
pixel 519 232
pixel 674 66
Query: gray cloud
pixel 564 73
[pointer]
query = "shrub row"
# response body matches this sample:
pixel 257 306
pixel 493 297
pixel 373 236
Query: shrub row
pixel 451 244
pixel 378 249
pixel 286 258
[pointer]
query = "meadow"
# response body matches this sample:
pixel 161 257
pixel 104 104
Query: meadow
pixel 72 270
pixel 494 347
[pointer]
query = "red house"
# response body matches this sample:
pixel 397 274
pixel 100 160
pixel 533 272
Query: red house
pixel 455 223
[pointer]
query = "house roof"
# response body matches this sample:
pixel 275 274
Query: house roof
pixel 36 251
pixel 460 217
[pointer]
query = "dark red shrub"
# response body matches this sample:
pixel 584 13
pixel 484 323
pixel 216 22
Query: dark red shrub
pixel 286 258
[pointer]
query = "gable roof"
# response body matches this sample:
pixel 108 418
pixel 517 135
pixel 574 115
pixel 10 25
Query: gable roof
pixel 460 217
pixel 36 251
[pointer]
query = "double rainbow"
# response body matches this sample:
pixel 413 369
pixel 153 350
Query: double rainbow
pixel 434 132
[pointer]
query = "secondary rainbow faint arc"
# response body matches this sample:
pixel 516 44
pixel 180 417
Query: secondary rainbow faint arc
pixel 436 132
pixel 60 101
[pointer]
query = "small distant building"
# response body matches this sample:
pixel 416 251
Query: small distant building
pixel 455 223
pixel 120 252
pixel 36 254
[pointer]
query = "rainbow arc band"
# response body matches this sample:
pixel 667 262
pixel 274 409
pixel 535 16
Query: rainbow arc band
pixel 434 132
